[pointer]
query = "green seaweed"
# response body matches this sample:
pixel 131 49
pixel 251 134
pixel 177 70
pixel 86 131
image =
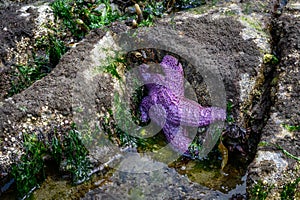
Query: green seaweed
pixel 292 127
pixel 287 153
pixel 55 49
pixel 289 190
pixel 260 191
pixel 26 75
pixel 30 170
pixel 39 65
pixel 112 67
pixel 229 108
pixel 69 153
pixel 263 143
pixel 79 17
pixel 75 157
pixel 247 8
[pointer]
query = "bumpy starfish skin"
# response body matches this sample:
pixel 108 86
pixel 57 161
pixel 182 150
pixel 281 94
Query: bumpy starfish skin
pixel 166 100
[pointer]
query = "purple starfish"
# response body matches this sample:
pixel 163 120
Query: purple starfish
pixel 167 106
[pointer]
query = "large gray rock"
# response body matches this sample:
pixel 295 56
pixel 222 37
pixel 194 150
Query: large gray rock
pixel 272 168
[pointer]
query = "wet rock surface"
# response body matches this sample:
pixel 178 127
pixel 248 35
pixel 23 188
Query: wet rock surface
pixel 15 31
pixel 45 107
pixel 272 166
pixel 165 183
pixel 231 38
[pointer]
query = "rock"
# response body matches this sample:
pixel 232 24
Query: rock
pixel 224 46
pixel 271 165
pixel 164 183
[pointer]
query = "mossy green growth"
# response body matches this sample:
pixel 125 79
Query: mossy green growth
pixel 260 191
pixel 229 108
pixel 147 22
pixel 247 8
pixel 230 13
pixel 127 119
pixel 123 137
pixel 114 65
pixel 289 190
pixel 274 81
pixel 253 23
pixel 292 127
pixel 263 143
pixel 269 58
pixel 69 154
pixel 154 8
pixel 74 156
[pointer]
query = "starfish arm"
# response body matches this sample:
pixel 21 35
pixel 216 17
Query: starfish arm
pixel 150 109
pixel 144 108
pixel 175 84
pixel 174 74
pixel 176 136
pixel 181 110
pixel 171 65
pixel 193 114
pixel 150 78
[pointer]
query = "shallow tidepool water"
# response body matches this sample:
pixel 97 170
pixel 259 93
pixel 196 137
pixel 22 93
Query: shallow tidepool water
pixel 206 172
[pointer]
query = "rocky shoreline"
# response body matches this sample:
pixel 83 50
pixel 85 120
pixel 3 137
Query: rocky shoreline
pixel 253 45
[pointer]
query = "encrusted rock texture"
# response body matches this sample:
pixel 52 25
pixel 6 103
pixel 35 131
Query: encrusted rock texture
pixel 272 166
pixel 232 38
